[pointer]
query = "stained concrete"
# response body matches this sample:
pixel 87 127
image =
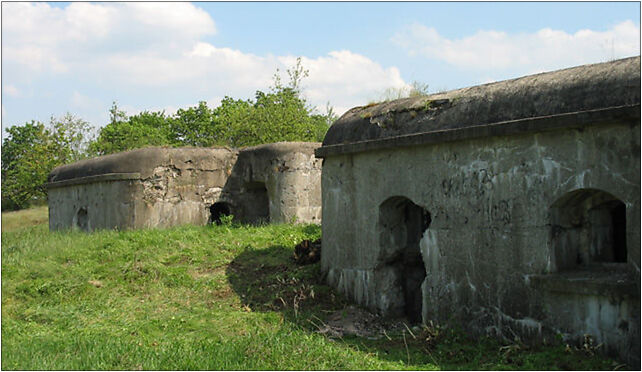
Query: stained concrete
pixel 162 187
pixel 491 168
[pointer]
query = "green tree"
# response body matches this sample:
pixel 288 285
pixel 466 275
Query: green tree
pixel 232 122
pixel 72 135
pixel 126 133
pixel 281 114
pixel 193 126
pixel 31 151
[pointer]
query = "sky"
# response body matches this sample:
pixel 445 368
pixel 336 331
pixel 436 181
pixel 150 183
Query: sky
pixel 80 57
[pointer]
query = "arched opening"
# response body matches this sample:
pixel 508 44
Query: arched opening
pixel 218 210
pixel 81 219
pixel 402 224
pixel 588 228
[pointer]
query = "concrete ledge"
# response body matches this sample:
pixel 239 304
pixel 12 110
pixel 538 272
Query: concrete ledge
pixel 94 179
pixel 608 283
pixel 521 126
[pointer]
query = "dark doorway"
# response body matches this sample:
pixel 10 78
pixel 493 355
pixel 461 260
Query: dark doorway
pixel 402 224
pixel 81 219
pixel 257 201
pixel 218 210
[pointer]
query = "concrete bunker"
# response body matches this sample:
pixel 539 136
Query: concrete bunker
pixel 588 228
pixel 402 224
pixel 533 188
pixel 161 187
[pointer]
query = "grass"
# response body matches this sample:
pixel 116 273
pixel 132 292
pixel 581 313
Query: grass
pixel 204 298
pixel 24 218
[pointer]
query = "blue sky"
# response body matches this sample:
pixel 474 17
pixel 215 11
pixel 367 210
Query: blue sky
pixel 79 57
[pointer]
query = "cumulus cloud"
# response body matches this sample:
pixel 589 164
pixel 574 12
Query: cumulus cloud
pixel 50 39
pixel 546 49
pixel 149 47
pixel 345 79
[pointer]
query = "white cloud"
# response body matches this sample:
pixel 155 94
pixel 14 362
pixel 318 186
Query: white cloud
pixel 151 47
pixel 544 50
pixel 11 90
pixel 49 39
pixel 345 79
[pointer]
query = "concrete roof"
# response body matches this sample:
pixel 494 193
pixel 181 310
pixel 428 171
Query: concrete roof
pixel 139 161
pixel 578 89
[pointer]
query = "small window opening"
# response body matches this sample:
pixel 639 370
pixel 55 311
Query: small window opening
pixel 81 219
pixel 588 228
pixel 218 210
pixel 402 225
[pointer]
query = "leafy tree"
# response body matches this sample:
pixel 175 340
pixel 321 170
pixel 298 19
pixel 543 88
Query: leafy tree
pixel 72 135
pixel 193 126
pixel 126 133
pixel 281 114
pixel 31 151
pixel 232 121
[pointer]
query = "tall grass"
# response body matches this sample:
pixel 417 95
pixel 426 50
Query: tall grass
pixel 210 297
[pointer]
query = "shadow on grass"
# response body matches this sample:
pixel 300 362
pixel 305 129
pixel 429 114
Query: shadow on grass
pixel 270 280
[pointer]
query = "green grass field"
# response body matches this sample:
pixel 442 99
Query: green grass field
pixel 204 298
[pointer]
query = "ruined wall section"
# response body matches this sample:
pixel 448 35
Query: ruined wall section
pixel 181 188
pixel 277 182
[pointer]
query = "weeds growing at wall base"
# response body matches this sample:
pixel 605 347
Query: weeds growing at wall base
pixel 211 297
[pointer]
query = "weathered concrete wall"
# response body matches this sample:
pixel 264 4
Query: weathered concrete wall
pixel 108 204
pixel 161 187
pixel 181 189
pixel 484 200
pixel 151 187
pixel 289 176
pixel 489 201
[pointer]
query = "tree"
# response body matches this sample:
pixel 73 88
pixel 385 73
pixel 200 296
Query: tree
pixel 126 133
pixel 31 151
pixel 193 126
pixel 72 135
pixel 280 114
